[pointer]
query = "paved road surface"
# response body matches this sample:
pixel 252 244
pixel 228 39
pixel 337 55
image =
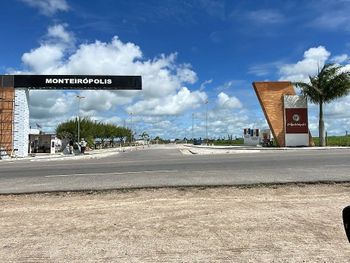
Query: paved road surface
pixel 166 166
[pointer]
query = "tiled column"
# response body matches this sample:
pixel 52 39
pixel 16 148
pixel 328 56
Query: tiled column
pixel 21 122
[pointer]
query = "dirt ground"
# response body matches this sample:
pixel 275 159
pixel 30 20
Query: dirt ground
pixel 262 224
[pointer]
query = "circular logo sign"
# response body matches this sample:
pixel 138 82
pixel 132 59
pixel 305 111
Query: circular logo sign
pixel 296 117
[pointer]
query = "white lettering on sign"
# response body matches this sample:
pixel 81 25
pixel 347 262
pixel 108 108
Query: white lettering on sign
pixel 296 124
pixel 78 81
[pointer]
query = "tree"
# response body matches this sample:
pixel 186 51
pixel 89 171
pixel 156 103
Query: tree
pixel 144 136
pixel 67 130
pixel 331 83
pixel 91 130
pixel 124 134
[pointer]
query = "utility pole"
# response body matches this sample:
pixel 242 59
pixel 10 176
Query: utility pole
pixel 206 120
pixel 79 98
pixel 192 126
pixel 131 128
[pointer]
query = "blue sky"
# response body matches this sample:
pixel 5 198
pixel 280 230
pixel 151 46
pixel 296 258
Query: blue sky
pixel 188 51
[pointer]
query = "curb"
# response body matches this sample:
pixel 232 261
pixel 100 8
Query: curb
pixel 75 157
pixel 243 147
pixel 63 157
pixel 210 150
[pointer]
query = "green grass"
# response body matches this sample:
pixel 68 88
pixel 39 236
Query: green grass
pixel 334 141
pixel 331 141
pixel 229 142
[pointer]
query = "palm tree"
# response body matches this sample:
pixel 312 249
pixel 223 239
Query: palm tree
pixel 144 136
pixel 331 83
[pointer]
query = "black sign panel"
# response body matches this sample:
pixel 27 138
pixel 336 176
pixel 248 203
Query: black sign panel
pixel 78 82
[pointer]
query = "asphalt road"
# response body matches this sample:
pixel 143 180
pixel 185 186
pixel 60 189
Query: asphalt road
pixel 157 167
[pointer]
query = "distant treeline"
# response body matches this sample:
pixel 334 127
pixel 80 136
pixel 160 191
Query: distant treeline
pixel 92 130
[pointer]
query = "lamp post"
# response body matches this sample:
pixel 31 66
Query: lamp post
pixel 192 126
pixel 131 128
pixel 206 120
pixel 79 98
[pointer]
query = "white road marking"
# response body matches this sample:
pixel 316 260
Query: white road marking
pixel 337 165
pixel 115 173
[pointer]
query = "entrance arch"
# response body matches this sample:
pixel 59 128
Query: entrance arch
pixel 14 98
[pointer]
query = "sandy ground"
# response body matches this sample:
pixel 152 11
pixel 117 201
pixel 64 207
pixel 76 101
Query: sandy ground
pixel 261 224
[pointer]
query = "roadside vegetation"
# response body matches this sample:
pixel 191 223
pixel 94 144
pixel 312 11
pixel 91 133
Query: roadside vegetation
pixel 334 140
pixel 93 131
pixel 223 142
pixel 329 141
pixel 109 134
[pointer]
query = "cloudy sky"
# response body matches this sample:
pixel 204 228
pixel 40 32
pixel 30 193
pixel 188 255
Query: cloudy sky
pixel 188 52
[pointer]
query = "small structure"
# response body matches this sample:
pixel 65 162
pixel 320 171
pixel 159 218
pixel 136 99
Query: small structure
pixel 251 136
pixel 43 143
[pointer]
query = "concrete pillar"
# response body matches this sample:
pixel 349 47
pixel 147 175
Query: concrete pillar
pixel 21 122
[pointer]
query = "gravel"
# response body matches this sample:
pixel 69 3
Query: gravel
pixel 280 223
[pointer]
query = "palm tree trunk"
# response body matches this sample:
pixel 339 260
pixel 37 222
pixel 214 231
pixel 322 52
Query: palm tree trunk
pixel 321 126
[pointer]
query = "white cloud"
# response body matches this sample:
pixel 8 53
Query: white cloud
pixel 226 102
pixel 222 122
pixel 214 8
pixel 228 84
pixel 185 74
pixel 266 16
pixel 114 120
pixel 264 69
pixel 170 105
pixel 43 59
pixel 59 32
pixel 340 58
pixel 330 15
pixel 204 84
pixel 102 100
pixel 163 79
pixel 226 115
pixel 333 20
pixel 162 108
pixel 314 59
pixel 48 7
pixel 48 108
pixel 336 113
pixel 336 117
pixel 161 75
pixel 49 56
pixel 46 104
pixel 338 109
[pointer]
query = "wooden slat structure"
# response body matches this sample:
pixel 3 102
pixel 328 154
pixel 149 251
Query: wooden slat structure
pixel 7 97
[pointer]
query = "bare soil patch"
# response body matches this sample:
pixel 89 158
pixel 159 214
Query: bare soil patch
pixel 225 224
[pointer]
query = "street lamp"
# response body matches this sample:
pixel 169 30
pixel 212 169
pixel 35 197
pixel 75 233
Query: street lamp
pixel 206 120
pixel 192 126
pixel 132 133
pixel 79 98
